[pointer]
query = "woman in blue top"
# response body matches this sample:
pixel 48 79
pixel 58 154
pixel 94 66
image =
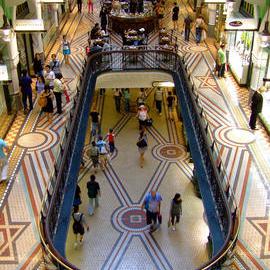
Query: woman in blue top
pixel 40 84
pixel 66 49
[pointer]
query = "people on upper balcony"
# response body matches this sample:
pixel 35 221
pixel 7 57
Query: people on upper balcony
pixel 140 7
pixel 116 7
pixel 95 32
pixel 132 6
pixel 103 18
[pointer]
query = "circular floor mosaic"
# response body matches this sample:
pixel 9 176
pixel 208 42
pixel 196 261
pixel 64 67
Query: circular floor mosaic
pixel 40 140
pixel 131 219
pixel 232 136
pixel 170 152
pixel 32 140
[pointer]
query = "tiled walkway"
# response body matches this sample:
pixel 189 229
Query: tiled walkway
pixel 244 154
pixel 118 236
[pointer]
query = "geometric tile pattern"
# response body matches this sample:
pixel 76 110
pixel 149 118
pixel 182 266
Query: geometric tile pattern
pixel 225 108
pixel 34 152
pixel 124 218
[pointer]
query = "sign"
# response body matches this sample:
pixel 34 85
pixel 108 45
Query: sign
pixel 52 1
pixel 214 1
pixel 3 73
pixel 243 24
pixel 235 23
pixel 36 25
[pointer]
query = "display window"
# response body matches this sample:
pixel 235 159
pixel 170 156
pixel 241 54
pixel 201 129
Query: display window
pixel 239 53
pixel 47 14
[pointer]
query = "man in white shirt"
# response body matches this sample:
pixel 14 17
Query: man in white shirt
pixel 49 76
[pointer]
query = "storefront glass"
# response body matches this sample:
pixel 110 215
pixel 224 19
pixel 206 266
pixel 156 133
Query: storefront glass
pixel 239 52
pixel 47 15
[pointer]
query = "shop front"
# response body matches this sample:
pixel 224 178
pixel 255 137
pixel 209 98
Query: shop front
pixel 263 79
pixel 239 48
pixel 240 39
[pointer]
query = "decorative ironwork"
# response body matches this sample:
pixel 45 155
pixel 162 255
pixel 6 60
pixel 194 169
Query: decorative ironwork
pixel 138 59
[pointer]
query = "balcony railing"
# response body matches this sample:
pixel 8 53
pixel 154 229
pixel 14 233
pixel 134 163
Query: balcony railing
pixel 210 172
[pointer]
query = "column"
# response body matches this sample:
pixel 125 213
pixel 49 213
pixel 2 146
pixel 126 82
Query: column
pixel 55 9
pixel 37 39
pixel 12 61
pixel 212 8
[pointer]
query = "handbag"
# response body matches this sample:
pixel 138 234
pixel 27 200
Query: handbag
pixel 42 101
pixel 149 122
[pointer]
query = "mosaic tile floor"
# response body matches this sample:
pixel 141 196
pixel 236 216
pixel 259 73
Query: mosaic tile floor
pixel 118 227
pixel 246 161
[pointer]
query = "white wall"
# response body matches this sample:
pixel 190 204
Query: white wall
pixel 131 79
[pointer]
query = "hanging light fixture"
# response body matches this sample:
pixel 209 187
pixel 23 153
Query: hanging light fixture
pixel 265 34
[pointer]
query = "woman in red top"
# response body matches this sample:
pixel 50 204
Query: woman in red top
pixel 110 136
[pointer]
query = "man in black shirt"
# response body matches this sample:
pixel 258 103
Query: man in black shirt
pixel 187 27
pixel 170 102
pixel 175 13
pixel 93 194
pixel 95 122
pixel 256 106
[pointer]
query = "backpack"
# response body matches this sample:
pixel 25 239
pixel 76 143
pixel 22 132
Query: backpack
pixel 77 226
pixel 94 152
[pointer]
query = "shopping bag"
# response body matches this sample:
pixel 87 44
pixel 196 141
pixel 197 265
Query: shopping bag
pixel 159 218
pixel 67 96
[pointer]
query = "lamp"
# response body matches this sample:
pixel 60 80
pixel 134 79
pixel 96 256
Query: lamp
pixel 265 35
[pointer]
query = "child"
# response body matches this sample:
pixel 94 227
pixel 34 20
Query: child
pixel 175 210
pixel 110 136
pixel 101 144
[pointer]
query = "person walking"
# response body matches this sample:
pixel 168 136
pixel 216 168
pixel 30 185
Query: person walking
pixel 126 95
pixel 187 27
pixel 222 61
pixel 142 116
pixel 199 25
pixel 55 64
pixel 170 102
pixel 111 139
pixel 93 191
pixel 117 94
pixel 102 147
pixel 256 106
pixel 90 6
pixel 95 122
pixel 79 4
pixel 175 14
pixel 66 49
pixel 26 89
pixel 3 160
pixel 158 100
pixel 94 155
pixel 58 90
pixel 152 205
pixel 103 18
pixel 48 108
pixel 37 65
pixel 142 144
pixel 78 225
pixel 175 210
pixel 77 198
